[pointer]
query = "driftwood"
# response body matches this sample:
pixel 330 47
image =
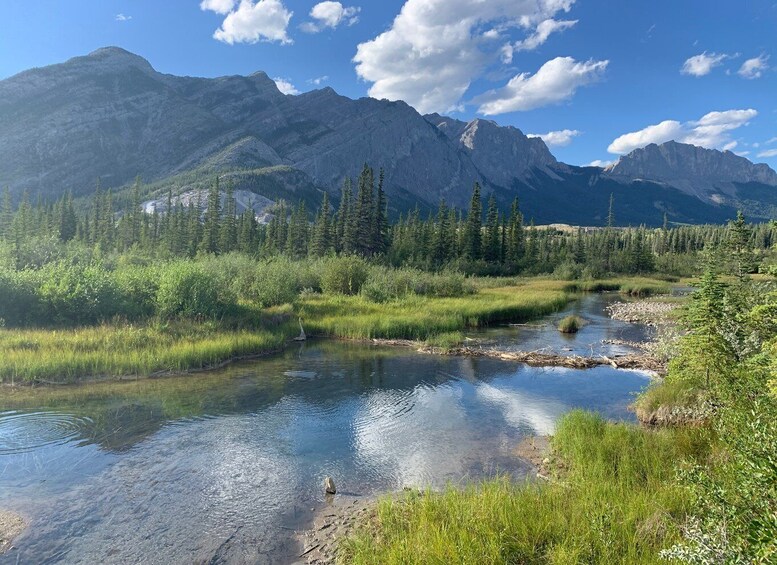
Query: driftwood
pixel 537 359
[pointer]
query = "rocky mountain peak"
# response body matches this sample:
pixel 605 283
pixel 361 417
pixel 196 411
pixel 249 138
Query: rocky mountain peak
pixel 673 161
pixel 114 57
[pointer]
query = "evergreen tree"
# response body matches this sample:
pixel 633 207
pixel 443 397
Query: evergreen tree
pixel 228 229
pixel 68 221
pixel 210 229
pixel 491 251
pixel 6 214
pixel 471 239
pixel 364 212
pixel 346 227
pixel 380 224
pixel 322 242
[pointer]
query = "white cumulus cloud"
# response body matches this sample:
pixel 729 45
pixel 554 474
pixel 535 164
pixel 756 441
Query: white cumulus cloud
pixel 434 49
pixel 542 32
pixel 712 131
pixel 330 15
pixel 754 68
pixel 219 6
pixel 559 138
pixel 700 65
pixel 600 163
pixel 285 86
pixel 122 18
pixel 768 153
pixel 251 21
pixel 555 81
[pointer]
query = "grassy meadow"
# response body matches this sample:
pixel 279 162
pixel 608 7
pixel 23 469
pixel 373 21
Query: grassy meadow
pixel 399 304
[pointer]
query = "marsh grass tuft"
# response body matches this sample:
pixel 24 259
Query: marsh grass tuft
pixel 570 324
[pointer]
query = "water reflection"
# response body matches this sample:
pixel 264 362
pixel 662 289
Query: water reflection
pixel 600 335
pixel 219 466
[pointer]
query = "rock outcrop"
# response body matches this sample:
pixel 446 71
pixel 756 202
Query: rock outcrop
pixel 695 170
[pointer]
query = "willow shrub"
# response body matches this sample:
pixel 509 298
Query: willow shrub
pixel 186 289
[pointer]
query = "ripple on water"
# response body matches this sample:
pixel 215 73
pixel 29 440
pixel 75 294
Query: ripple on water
pixel 23 432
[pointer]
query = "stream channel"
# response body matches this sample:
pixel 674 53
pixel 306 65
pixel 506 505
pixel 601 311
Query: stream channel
pixel 225 466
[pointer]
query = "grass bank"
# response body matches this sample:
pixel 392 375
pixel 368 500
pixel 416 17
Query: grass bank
pixel 67 355
pixel 420 318
pixel 615 500
pixel 118 350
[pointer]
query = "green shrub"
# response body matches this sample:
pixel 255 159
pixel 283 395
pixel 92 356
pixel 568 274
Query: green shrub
pixel 186 289
pixel 343 275
pixel 19 302
pixel 280 281
pixel 138 287
pixel 77 294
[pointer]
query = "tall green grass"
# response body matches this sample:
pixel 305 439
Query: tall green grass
pixel 616 501
pixel 66 356
pixel 633 286
pixel 416 317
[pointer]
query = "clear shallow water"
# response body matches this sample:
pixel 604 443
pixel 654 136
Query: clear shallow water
pixel 543 335
pixel 224 466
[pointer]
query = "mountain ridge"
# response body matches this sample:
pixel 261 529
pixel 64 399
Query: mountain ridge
pixel 111 115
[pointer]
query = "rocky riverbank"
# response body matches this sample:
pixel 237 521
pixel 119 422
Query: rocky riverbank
pixel 651 312
pixel 11 527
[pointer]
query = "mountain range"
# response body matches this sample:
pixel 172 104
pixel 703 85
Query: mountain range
pixel 110 115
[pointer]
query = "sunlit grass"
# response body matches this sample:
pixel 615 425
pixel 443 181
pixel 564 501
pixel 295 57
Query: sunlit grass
pixel 414 317
pixel 616 500
pixel 124 350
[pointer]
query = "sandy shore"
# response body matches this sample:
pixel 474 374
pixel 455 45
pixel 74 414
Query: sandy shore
pixel 11 526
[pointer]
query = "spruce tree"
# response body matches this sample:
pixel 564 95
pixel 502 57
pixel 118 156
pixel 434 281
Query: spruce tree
pixel 228 229
pixel 322 230
pixel 471 240
pixel 491 252
pixel 68 221
pixel 364 212
pixel 210 229
pixel 6 213
pixel 380 225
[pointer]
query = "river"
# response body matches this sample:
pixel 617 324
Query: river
pixel 224 466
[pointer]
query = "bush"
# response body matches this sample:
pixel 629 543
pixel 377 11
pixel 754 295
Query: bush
pixel 186 290
pixel 76 294
pixel 138 287
pixel 19 303
pixel 570 325
pixel 567 271
pixel 343 275
pixel 389 284
pixel 280 281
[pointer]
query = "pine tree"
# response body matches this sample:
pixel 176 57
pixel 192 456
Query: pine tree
pixel 363 212
pixel 68 221
pixel 228 229
pixel 345 240
pixel 471 240
pixel 380 225
pixel 491 251
pixel 441 251
pixel 210 230
pixel 6 214
pixel 322 241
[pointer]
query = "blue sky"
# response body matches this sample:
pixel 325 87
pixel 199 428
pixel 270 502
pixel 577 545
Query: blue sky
pixel 601 77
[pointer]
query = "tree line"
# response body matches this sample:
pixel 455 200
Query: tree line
pixel 481 240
